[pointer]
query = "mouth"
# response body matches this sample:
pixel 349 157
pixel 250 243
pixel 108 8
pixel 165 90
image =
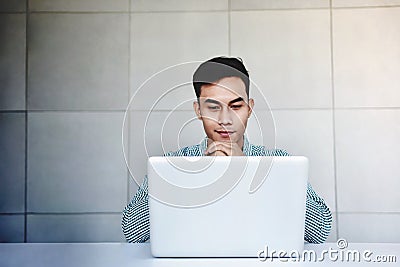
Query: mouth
pixel 224 133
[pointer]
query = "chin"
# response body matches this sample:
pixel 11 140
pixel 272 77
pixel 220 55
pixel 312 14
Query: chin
pixel 230 140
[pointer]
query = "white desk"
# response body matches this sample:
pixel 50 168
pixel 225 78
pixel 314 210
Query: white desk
pixel 119 255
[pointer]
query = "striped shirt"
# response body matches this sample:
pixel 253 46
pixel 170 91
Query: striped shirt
pixel 135 220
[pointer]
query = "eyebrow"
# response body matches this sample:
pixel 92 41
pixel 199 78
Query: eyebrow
pixel 208 100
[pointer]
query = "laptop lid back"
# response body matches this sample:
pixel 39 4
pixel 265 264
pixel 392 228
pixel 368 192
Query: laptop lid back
pixel 226 206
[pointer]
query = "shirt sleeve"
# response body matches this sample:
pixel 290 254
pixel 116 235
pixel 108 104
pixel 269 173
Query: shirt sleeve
pixel 318 218
pixel 135 217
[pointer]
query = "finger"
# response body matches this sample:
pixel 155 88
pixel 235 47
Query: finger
pixel 226 143
pixel 217 147
pixel 230 149
pixel 217 153
pixel 226 146
pixel 225 149
pixel 211 150
pixel 220 153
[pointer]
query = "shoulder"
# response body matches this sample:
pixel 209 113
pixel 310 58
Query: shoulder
pixel 185 152
pixel 256 150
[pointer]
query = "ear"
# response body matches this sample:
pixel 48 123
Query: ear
pixel 251 106
pixel 196 107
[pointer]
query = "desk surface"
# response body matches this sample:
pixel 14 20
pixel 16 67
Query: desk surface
pixel 118 255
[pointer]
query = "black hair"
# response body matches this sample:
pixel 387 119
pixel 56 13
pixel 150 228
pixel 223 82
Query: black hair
pixel 213 70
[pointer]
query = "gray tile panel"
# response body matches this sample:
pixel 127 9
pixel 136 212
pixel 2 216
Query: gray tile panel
pixel 74 228
pixel 287 53
pixel 11 228
pixel 78 61
pixel 368 170
pixel 178 5
pixel 12 162
pixel 75 162
pixel 12 61
pixel 13 5
pixel 367 57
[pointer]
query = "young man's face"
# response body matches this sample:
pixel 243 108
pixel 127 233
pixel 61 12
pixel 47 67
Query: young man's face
pixel 224 109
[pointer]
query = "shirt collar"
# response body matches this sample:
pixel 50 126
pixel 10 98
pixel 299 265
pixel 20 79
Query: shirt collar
pixel 246 146
pixel 203 146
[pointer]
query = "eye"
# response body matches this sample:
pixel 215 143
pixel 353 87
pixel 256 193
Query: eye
pixel 213 107
pixel 236 106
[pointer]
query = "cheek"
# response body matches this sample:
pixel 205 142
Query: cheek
pixel 241 118
pixel 208 120
pixel 209 124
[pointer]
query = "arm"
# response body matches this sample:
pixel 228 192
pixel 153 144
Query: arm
pixel 318 218
pixel 135 217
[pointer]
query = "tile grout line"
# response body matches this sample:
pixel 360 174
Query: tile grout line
pixel 12 12
pixel 364 7
pixel 314 8
pixel 75 213
pixel 118 213
pixel 280 9
pixel 370 212
pixel 79 12
pixel 26 124
pixel 333 118
pixel 198 11
pixel 179 11
pixel 77 110
pixel 127 12
pixel 12 111
pixel 128 156
pixel 180 110
pixel 229 29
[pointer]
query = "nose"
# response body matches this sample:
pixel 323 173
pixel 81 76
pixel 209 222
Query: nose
pixel 225 117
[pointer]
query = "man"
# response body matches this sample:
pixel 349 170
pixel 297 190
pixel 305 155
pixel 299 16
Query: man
pixel 223 105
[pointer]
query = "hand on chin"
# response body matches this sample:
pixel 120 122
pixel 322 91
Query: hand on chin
pixel 219 153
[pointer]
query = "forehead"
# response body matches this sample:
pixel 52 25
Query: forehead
pixel 224 90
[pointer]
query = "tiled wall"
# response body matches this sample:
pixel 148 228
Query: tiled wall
pixel 329 69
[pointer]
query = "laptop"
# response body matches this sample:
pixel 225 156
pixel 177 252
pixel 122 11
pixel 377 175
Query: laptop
pixel 226 206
